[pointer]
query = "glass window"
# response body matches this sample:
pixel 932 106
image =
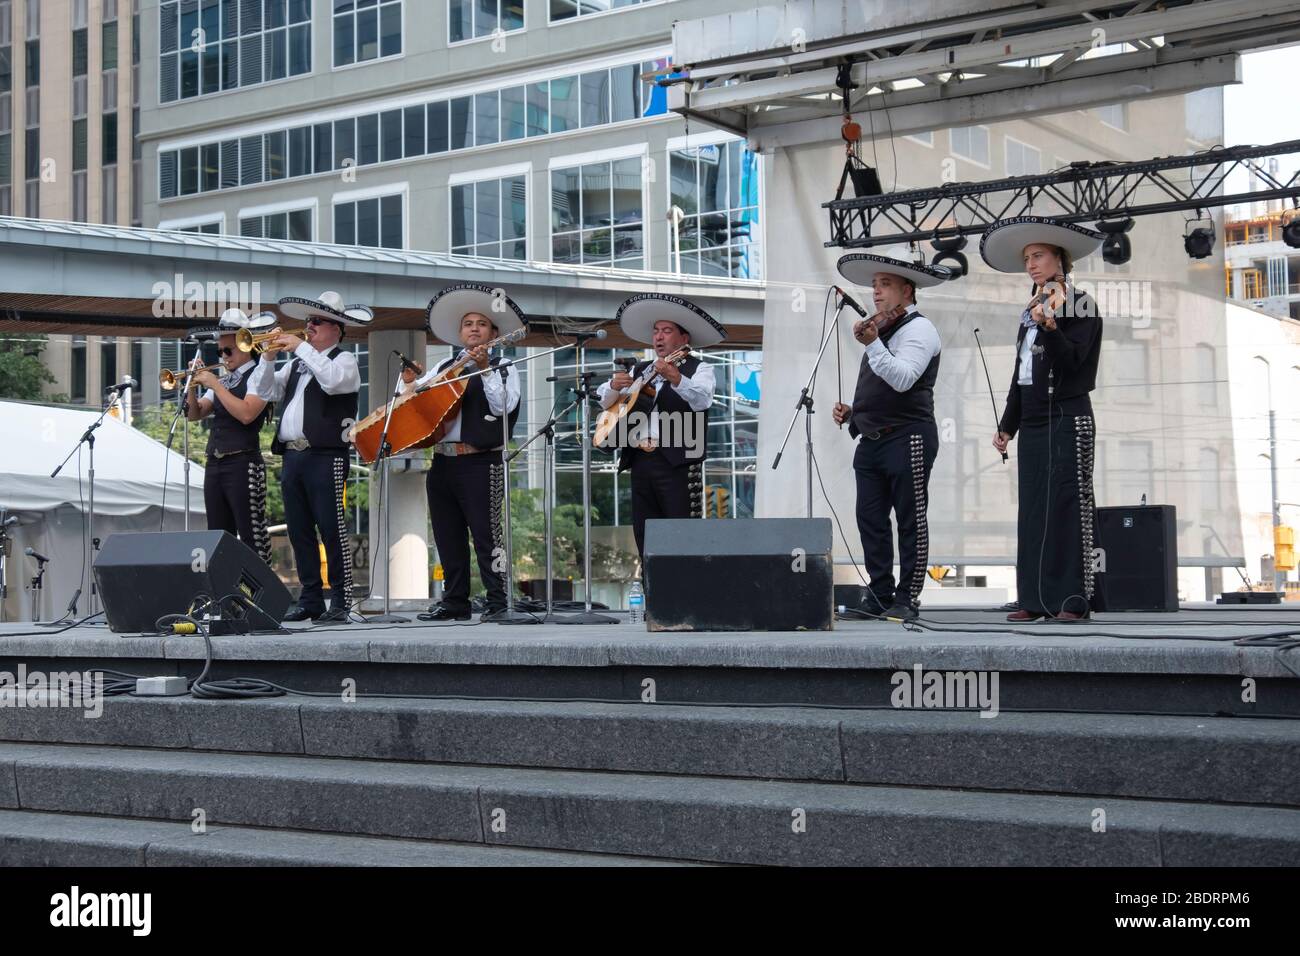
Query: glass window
pixel 437 132
pixel 206 46
pixel 489 218
pixel 300 151
pixel 564 104
pixel 716 187
pixel 367 139
pixel 210 158
pixel 370 222
pixel 571 9
pixel 276 160
pixel 413 135
pixel 597 215
pixel 971 142
pixel 513 113
pixel 539 108
pixel 189 171
pixel 595 98
pixel 486 119
pixel 390 136
pixel 470 19
pixel 345 144
pixel 462 123
pixel 323 147
pixel 366 30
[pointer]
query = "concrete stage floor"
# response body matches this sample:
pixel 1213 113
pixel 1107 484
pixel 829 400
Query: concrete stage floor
pixel 948 638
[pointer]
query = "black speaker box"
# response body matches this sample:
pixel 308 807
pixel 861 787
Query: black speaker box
pixel 1140 558
pixel 750 574
pixel 142 577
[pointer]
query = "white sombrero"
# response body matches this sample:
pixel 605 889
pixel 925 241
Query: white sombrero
pixel 453 303
pixel 862 267
pixel 1003 245
pixel 638 315
pixel 232 320
pixel 329 306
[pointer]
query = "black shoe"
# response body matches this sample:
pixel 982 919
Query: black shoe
pixel 300 613
pixel 1010 606
pixel 440 612
pixel 335 615
pixel 874 604
pixel 903 612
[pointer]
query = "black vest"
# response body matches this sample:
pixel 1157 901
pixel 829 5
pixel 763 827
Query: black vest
pixel 226 433
pixel 877 404
pixel 475 428
pixel 667 400
pixel 323 416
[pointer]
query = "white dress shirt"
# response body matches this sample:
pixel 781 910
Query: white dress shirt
pixel 230 380
pixel 502 396
pixel 336 376
pixel 1026 376
pixel 908 354
pixel 696 390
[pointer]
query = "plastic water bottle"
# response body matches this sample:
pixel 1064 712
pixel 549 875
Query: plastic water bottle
pixel 636 604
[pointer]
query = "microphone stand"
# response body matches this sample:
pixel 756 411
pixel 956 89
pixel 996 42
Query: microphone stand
pixel 4 566
pixel 38 581
pixel 548 481
pixel 805 404
pixel 385 453
pixel 587 615
pixel 88 437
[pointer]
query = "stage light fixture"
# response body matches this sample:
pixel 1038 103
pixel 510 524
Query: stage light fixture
pixel 1117 249
pixel 949 251
pixel 1291 230
pixel 1199 242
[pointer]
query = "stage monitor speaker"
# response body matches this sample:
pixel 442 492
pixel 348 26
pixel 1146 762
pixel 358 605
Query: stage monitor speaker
pixel 142 577
pixel 1140 557
pixel 750 574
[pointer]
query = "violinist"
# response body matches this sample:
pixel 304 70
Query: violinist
pixel 466 483
pixel 892 415
pixel 1057 351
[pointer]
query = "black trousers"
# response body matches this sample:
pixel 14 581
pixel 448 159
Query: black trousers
pixel 659 491
pixel 1055 540
pixel 234 495
pixel 313 483
pixel 893 473
pixel 465 499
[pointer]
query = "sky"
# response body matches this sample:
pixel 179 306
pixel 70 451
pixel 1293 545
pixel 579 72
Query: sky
pixel 1262 108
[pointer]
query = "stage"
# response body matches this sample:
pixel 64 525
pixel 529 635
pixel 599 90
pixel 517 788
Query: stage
pixel 1126 740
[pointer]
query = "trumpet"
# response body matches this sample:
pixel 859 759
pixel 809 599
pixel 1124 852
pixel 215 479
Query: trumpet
pixel 168 379
pixel 246 341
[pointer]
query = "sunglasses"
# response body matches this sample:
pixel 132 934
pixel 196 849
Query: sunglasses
pixel 227 352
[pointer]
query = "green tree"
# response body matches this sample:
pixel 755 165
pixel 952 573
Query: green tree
pixel 22 373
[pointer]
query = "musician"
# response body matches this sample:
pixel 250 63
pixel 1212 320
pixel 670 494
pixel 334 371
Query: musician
pixel 667 456
pixel 466 482
pixel 317 391
pixel 1057 349
pixel 893 416
pixel 234 479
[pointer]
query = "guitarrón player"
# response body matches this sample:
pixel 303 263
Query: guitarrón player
pixel 669 454
pixel 893 414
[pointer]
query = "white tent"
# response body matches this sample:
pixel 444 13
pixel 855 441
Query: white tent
pixel 129 496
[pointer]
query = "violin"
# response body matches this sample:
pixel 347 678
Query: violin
pixel 1050 297
pixel 883 320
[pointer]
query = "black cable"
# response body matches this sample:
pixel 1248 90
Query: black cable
pixel 66 627
pixel 849 548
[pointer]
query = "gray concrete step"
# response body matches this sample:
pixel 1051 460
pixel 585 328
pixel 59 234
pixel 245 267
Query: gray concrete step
pixel 671 817
pixel 1221 760
pixel 61 839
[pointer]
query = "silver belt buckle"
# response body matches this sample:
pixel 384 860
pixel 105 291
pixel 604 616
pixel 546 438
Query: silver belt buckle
pixel 298 444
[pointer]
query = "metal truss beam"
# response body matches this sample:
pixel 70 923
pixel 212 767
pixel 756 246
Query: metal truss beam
pixel 1082 192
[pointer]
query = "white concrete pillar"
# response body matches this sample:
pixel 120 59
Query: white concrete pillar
pixel 408 552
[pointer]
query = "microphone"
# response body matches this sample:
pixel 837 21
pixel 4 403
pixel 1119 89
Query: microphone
pixel 407 363
pixel 598 334
pixel 11 520
pixel 33 553
pixel 122 386
pixel 846 299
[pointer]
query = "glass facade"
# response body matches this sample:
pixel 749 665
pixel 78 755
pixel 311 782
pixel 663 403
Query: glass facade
pixel 717 189
pixel 598 214
pixel 366 30
pixel 489 219
pixel 518 112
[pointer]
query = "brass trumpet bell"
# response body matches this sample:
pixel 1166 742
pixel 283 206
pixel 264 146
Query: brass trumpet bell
pixel 246 341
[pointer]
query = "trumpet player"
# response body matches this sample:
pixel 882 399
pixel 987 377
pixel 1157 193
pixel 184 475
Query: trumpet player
pixel 234 481
pixel 317 389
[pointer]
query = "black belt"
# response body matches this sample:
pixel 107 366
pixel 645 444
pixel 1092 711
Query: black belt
pixel 880 433
pixel 231 454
